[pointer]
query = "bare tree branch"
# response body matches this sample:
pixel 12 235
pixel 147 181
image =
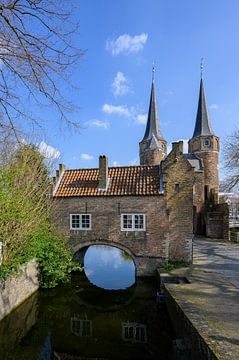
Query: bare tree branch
pixel 231 162
pixel 36 52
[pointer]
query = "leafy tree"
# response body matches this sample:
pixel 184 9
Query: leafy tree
pixel 24 206
pixel 25 212
pixel 231 160
pixel 36 54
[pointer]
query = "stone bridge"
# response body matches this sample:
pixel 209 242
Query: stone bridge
pixel 145 265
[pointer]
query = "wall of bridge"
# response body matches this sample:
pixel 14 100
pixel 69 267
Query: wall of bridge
pixel 148 248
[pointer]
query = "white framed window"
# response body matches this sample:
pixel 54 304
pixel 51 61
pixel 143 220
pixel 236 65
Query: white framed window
pixel 134 332
pixel 80 221
pixel 81 327
pixel 132 222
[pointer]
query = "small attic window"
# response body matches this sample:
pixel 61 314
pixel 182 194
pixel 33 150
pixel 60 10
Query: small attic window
pixel 207 143
pixel 177 187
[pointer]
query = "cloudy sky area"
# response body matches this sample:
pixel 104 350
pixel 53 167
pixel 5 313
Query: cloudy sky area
pixel 121 40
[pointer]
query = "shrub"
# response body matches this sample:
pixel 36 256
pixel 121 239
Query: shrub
pixel 55 259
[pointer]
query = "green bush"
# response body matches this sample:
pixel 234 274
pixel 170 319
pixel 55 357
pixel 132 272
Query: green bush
pixel 55 259
pixel 171 265
pixel 233 234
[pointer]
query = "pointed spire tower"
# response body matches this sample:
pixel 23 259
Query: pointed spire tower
pixel 204 143
pixel 153 147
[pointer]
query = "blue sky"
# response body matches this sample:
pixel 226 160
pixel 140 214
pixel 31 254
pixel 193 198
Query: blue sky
pixel 121 39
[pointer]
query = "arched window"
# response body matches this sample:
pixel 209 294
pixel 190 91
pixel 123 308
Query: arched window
pixel 207 143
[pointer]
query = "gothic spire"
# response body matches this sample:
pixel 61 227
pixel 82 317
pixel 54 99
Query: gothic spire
pixel 152 127
pixel 203 125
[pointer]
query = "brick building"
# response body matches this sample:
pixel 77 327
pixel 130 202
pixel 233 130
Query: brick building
pixel 151 210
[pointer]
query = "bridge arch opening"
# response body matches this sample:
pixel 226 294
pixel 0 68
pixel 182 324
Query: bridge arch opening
pixel 108 267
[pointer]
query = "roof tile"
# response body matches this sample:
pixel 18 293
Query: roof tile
pixel 127 180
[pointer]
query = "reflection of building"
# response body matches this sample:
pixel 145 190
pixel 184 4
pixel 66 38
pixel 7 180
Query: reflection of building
pixel 81 327
pixel 150 210
pixel 134 332
pixel 63 356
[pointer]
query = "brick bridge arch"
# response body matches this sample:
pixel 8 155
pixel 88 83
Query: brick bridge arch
pixel 147 255
pixel 81 248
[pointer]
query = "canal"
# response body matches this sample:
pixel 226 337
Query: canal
pixel 102 314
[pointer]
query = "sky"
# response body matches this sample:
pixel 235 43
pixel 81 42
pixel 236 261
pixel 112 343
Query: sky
pixel 121 40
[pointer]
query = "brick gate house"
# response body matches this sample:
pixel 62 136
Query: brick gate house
pixel 151 210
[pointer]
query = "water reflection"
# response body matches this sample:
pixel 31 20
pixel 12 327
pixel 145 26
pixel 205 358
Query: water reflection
pixel 134 332
pixel 81 327
pixel 81 321
pixel 109 267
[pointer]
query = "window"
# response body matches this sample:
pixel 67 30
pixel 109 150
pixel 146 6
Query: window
pixel 132 222
pixel 80 221
pixel 81 327
pixel 207 143
pixel 206 192
pixel 177 187
pixel 134 332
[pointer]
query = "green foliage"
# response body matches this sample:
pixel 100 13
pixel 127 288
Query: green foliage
pixel 233 235
pixel 25 212
pixel 54 258
pixel 24 206
pixel 171 265
pixel 125 256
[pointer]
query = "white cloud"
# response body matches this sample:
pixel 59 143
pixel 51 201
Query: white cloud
pixel 120 110
pixel 141 119
pixel 214 107
pixel 120 85
pixel 127 44
pixel 48 151
pixel 116 163
pixel 86 157
pixel 132 113
pixel 98 124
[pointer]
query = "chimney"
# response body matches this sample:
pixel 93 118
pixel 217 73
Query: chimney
pixel 61 168
pixel 177 147
pixel 103 172
pixel 57 177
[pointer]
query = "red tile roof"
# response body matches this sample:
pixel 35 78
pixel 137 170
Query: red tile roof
pixel 124 181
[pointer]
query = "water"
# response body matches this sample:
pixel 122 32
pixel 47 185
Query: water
pixel 109 267
pixel 82 321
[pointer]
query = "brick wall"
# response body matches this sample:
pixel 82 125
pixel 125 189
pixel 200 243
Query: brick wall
pixel 217 221
pixel 169 218
pixel 147 247
pixel 151 156
pixel 178 181
pixel 210 164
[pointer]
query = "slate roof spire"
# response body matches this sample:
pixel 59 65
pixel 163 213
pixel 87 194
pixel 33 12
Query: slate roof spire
pixel 152 127
pixel 203 124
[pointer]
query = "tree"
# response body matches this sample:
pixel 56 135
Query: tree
pixel 231 160
pixel 36 52
pixel 24 206
pixel 25 217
